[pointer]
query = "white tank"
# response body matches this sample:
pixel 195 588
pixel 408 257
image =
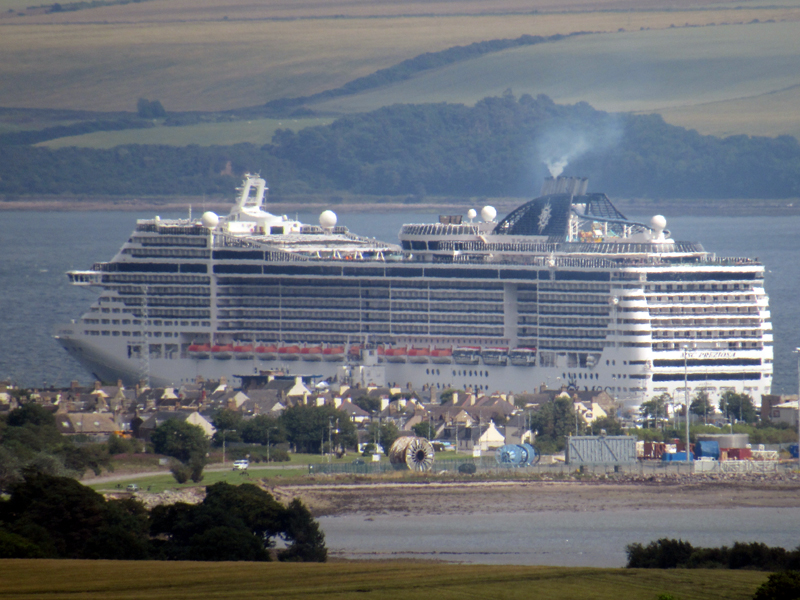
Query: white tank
pixel 488 213
pixel 328 219
pixel 209 219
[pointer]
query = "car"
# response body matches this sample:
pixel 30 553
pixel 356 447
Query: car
pixel 241 465
pixel 132 487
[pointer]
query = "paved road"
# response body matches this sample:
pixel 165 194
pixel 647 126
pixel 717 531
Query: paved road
pixel 114 478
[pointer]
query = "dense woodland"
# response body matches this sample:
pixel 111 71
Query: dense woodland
pixel 499 147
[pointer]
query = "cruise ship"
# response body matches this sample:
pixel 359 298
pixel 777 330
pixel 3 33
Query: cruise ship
pixel 562 291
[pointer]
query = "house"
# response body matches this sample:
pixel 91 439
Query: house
pixel 96 425
pixel 785 413
pixel 149 424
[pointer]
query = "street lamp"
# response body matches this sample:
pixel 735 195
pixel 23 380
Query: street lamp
pixel 686 394
pixel 797 351
pixel 224 433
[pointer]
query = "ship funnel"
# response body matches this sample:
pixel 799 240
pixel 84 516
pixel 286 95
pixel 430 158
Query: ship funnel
pixel 574 186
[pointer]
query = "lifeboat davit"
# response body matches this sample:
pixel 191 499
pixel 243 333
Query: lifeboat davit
pixel 199 350
pixel 333 353
pixel 311 353
pixel 222 351
pixel 243 352
pixel 442 356
pixel 267 352
pixel 289 352
pixel 419 355
pixel 396 355
pixel 522 357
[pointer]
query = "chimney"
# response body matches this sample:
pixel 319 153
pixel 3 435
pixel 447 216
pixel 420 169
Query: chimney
pixel 384 403
pixel 337 402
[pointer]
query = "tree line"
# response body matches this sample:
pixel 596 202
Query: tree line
pixel 499 147
pixel 46 516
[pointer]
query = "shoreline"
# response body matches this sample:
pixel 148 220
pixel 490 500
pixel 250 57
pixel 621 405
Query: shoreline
pixel 725 208
pixel 465 498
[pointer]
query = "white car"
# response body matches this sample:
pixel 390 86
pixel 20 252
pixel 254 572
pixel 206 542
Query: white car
pixel 241 465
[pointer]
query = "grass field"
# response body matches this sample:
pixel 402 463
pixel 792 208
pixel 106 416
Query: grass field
pixel 259 131
pixel 687 72
pixel 62 579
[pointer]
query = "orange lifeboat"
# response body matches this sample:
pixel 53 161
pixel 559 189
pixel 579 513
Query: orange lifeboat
pixel 442 356
pixel 419 355
pixel 354 353
pixel 333 353
pixel 397 355
pixel 199 350
pixel 311 353
pixel 289 352
pixel 222 351
pixel 243 352
pixel 267 352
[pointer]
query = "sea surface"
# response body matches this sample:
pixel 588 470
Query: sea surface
pixel 36 248
pixel 569 539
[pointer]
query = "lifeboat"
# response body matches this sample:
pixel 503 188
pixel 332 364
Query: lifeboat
pixel 354 353
pixel 289 352
pixel 419 355
pixel 495 356
pixel 522 357
pixel 396 355
pixel 242 352
pixel 222 351
pixel 333 353
pixel 199 350
pixel 311 353
pixel 267 352
pixel 467 355
pixel 442 356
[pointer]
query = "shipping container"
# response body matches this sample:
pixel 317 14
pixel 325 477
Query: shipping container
pixel 600 449
pixel 707 449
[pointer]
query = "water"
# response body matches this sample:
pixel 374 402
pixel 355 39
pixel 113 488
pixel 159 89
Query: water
pixel 36 248
pixel 570 539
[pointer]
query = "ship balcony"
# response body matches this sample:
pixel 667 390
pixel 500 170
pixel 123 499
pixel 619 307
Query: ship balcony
pixel 85 278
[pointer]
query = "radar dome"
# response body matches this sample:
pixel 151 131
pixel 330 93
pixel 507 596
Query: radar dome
pixel 658 223
pixel 327 220
pixel 210 219
pixel 472 213
pixel 488 213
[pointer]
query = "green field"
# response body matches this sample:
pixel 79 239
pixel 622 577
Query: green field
pixel 259 131
pixel 687 72
pixel 62 579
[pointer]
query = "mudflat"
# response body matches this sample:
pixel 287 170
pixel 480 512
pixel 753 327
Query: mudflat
pixel 436 498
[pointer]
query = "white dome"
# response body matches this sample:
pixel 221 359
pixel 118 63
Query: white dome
pixel 658 223
pixel 210 219
pixel 327 220
pixel 472 213
pixel 488 213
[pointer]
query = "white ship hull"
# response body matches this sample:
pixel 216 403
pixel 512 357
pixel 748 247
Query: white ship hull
pixel 637 315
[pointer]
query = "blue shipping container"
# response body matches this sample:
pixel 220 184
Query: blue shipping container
pixel 674 457
pixel 793 450
pixel 708 448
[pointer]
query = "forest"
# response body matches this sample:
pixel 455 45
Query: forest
pixel 501 147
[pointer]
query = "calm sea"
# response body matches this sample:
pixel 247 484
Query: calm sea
pixel 569 539
pixel 36 248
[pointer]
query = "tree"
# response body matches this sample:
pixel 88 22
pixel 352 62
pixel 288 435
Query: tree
pixel 367 403
pixel 701 404
pixel 150 109
pixel 386 432
pixel 263 429
pixel 655 409
pixel 554 421
pixel 179 439
pixel 308 427
pixel 425 429
pixel 609 424
pixel 738 406
pixel 229 425
pixel 447 395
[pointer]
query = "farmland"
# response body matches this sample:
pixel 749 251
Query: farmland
pixel 59 579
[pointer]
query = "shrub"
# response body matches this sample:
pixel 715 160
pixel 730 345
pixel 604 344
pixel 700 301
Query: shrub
pixel 467 469
pixel 180 471
pixel 780 586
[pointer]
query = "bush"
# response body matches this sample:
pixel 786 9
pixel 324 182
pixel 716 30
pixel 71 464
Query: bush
pixel 196 466
pixel 180 471
pixel 467 469
pixel 780 586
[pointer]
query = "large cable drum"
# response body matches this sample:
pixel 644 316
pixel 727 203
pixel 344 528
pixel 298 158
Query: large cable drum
pixel 414 453
pixel 516 455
